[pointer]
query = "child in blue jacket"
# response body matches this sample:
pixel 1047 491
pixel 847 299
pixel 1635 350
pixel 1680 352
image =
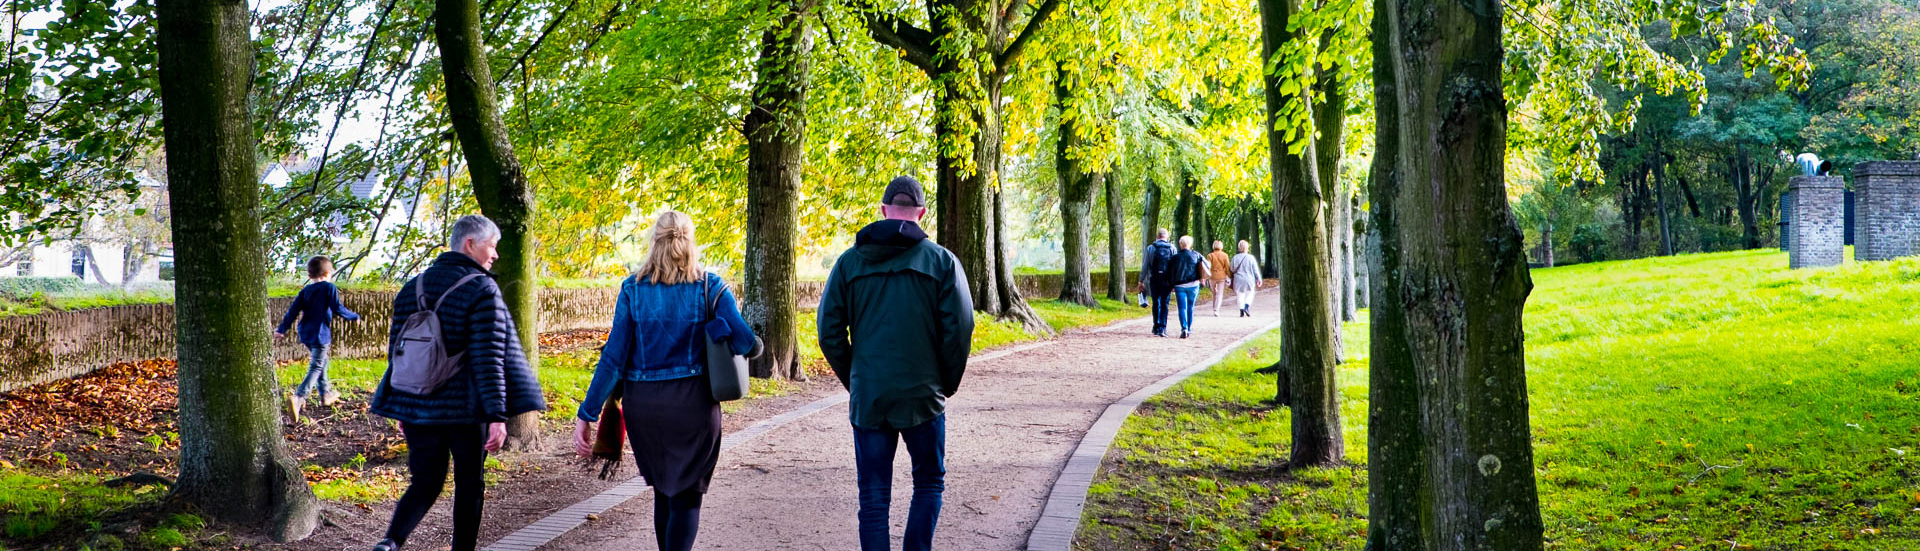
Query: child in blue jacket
pixel 316 307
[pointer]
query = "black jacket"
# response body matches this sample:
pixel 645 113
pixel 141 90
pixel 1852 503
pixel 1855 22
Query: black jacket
pixel 1185 267
pixel 1156 266
pixel 497 384
pixel 896 325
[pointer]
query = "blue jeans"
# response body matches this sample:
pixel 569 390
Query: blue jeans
pixel 873 451
pixel 316 374
pixel 1187 296
pixel 1160 296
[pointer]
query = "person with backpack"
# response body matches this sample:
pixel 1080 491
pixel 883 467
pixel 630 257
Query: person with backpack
pixel 455 373
pixel 655 360
pixel 1155 279
pixel 896 325
pixel 316 306
pixel 1187 270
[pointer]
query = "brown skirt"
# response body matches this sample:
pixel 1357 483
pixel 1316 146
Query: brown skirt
pixel 674 427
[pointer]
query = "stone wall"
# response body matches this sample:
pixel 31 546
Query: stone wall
pixel 1888 210
pixel 56 345
pixel 1818 225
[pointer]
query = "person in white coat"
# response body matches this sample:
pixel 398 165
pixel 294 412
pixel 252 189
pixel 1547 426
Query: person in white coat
pixel 1246 278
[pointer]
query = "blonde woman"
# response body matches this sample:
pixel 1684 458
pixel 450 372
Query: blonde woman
pixel 669 411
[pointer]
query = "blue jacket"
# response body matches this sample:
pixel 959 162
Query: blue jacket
pixel 498 383
pixel 316 306
pixel 656 336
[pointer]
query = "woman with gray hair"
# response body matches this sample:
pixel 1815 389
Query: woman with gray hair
pixel 1246 278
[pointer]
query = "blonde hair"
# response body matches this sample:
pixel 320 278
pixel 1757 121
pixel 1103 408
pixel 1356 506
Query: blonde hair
pixel 672 259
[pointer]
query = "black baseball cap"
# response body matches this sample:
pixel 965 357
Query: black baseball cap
pixel 904 191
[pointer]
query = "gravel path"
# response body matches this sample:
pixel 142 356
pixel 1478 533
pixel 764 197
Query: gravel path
pixel 1009 430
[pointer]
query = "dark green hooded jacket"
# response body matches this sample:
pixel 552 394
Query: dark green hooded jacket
pixel 896 325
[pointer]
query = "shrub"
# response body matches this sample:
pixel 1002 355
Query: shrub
pixel 1589 243
pixel 27 287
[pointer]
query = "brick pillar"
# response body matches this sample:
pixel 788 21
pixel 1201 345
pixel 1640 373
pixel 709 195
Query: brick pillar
pixel 1887 223
pixel 1819 225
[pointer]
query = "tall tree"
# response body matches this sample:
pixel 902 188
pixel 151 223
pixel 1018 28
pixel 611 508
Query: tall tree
pixel 233 464
pixel 967 49
pixel 1306 319
pixel 1149 215
pixel 499 185
pixel 1449 351
pixel 1116 239
pixel 776 156
pixel 1077 181
pixel 1329 122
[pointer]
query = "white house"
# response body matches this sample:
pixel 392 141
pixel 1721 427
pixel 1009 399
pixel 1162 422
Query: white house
pixel 100 251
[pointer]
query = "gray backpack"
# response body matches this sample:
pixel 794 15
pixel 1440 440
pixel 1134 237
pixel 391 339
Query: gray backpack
pixel 419 363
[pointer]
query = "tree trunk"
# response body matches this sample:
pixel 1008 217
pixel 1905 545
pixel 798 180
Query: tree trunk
pixel 1450 343
pixel 1149 216
pixel 1363 252
pixel 1330 115
pixel 1076 197
pixel 1183 208
pixel 1395 459
pixel 1659 170
pixel 776 130
pixel 499 185
pixel 1271 255
pixel 1343 229
pixel 1306 320
pixel 1202 232
pixel 1747 198
pixel 234 467
pixel 1546 244
pixel 1116 240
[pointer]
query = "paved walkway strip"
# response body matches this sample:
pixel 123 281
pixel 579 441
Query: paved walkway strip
pixel 573 516
pixel 1060 518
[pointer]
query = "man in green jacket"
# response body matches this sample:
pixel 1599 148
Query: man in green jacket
pixel 896 325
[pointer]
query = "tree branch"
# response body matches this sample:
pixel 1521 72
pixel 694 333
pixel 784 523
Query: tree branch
pixel 1034 24
pixel 520 63
pixel 915 44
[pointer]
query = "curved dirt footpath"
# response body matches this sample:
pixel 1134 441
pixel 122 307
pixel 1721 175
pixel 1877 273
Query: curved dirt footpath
pixel 1010 430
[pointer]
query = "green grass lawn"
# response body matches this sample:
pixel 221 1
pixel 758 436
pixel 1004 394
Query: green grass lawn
pixel 1714 401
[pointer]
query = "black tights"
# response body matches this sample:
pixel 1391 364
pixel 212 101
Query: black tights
pixel 428 447
pixel 676 519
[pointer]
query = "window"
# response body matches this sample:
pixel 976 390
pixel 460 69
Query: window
pixel 166 270
pixel 80 261
pixel 26 267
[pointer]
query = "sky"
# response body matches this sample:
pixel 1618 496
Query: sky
pixel 362 124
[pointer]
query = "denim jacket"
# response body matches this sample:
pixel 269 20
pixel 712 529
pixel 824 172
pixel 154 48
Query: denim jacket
pixel 656 336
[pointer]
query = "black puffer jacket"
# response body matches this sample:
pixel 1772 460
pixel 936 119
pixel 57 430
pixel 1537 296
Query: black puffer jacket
pixel 497 382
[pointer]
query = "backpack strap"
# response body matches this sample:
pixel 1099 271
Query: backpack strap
pixel 449 292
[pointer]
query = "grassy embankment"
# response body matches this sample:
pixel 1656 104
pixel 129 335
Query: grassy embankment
pixel 1714 401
